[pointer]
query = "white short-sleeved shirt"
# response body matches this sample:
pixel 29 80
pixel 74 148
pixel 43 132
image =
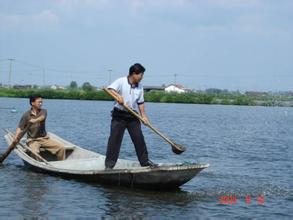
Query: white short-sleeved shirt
pixel 132 94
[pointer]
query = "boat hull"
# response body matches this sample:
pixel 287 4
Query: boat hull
pixel 156 179
pixel 88 166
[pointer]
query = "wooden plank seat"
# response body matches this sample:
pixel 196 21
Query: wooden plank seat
pixel 51 157
pixel 67 148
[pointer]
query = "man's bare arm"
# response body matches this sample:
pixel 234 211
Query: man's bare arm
pixel 143 114
pixel 38 119
pixel 120 99
pixel 17 134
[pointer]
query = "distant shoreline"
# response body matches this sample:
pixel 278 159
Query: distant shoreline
pixel 228 98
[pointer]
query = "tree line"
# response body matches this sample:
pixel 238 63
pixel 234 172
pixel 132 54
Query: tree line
pixel 211 96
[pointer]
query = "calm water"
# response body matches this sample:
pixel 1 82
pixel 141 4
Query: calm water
pixel 249 149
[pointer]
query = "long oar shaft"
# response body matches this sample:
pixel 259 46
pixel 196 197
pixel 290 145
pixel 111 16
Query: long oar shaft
pixel 35 154
pixel 149 125
pixel 13 145
pixel 28 149
pixel 140 118
pixel 8 151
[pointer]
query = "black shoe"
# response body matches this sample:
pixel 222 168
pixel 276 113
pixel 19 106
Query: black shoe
pixel 151 164
pixel 108 168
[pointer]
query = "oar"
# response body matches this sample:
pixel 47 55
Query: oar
pixel 13 144
pixel 176 148
pixel 28 149
pixel 13 109
pixel 6 108
pixel 35 154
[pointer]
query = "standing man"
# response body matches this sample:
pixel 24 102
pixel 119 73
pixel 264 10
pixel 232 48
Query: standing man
pixel 34 122
pixel 129 90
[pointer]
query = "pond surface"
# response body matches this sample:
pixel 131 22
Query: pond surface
pixel 249 149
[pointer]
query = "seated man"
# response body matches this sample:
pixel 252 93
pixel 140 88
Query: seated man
pixel 34 123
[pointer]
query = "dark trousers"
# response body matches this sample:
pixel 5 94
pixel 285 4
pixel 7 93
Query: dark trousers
pixel 120 122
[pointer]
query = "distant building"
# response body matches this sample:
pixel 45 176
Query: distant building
pixel 22 87
pixel 154 88
pixel 287 93
pixel 176 88
pixel 56 87
pixel 255 93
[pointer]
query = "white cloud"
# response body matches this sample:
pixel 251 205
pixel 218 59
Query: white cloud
pixel 44 18
pixel 71 5
pixel 139 4
pixel 76 4
pixel 234 3
pixel 259 24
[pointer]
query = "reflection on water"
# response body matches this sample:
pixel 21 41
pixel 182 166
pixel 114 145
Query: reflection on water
pixel 34 188
pixel 249 150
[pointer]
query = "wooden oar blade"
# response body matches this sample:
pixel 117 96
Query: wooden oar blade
pixel 178 149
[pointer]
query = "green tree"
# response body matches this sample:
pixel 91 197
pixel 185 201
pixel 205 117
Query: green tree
pixel 73 85
pixel 87 87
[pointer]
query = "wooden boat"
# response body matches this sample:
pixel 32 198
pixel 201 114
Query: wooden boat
pixel 88 166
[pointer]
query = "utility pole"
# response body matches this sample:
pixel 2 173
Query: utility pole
pixel 1 83
pixel 110 73
pixel 175 75
pixel 44 79
pixel 10 69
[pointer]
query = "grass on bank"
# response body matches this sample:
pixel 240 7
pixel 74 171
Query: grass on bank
pixel 157 96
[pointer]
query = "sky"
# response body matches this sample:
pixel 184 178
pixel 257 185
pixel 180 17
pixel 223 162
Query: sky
pixel 227 44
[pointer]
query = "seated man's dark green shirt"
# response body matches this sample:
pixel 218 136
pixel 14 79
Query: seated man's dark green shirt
pixel 35 130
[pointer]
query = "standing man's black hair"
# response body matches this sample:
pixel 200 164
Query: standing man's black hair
pixel 136 68
pixel 34 97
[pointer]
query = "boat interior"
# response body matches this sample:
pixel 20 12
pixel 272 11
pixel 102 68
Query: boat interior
pixel 77 158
